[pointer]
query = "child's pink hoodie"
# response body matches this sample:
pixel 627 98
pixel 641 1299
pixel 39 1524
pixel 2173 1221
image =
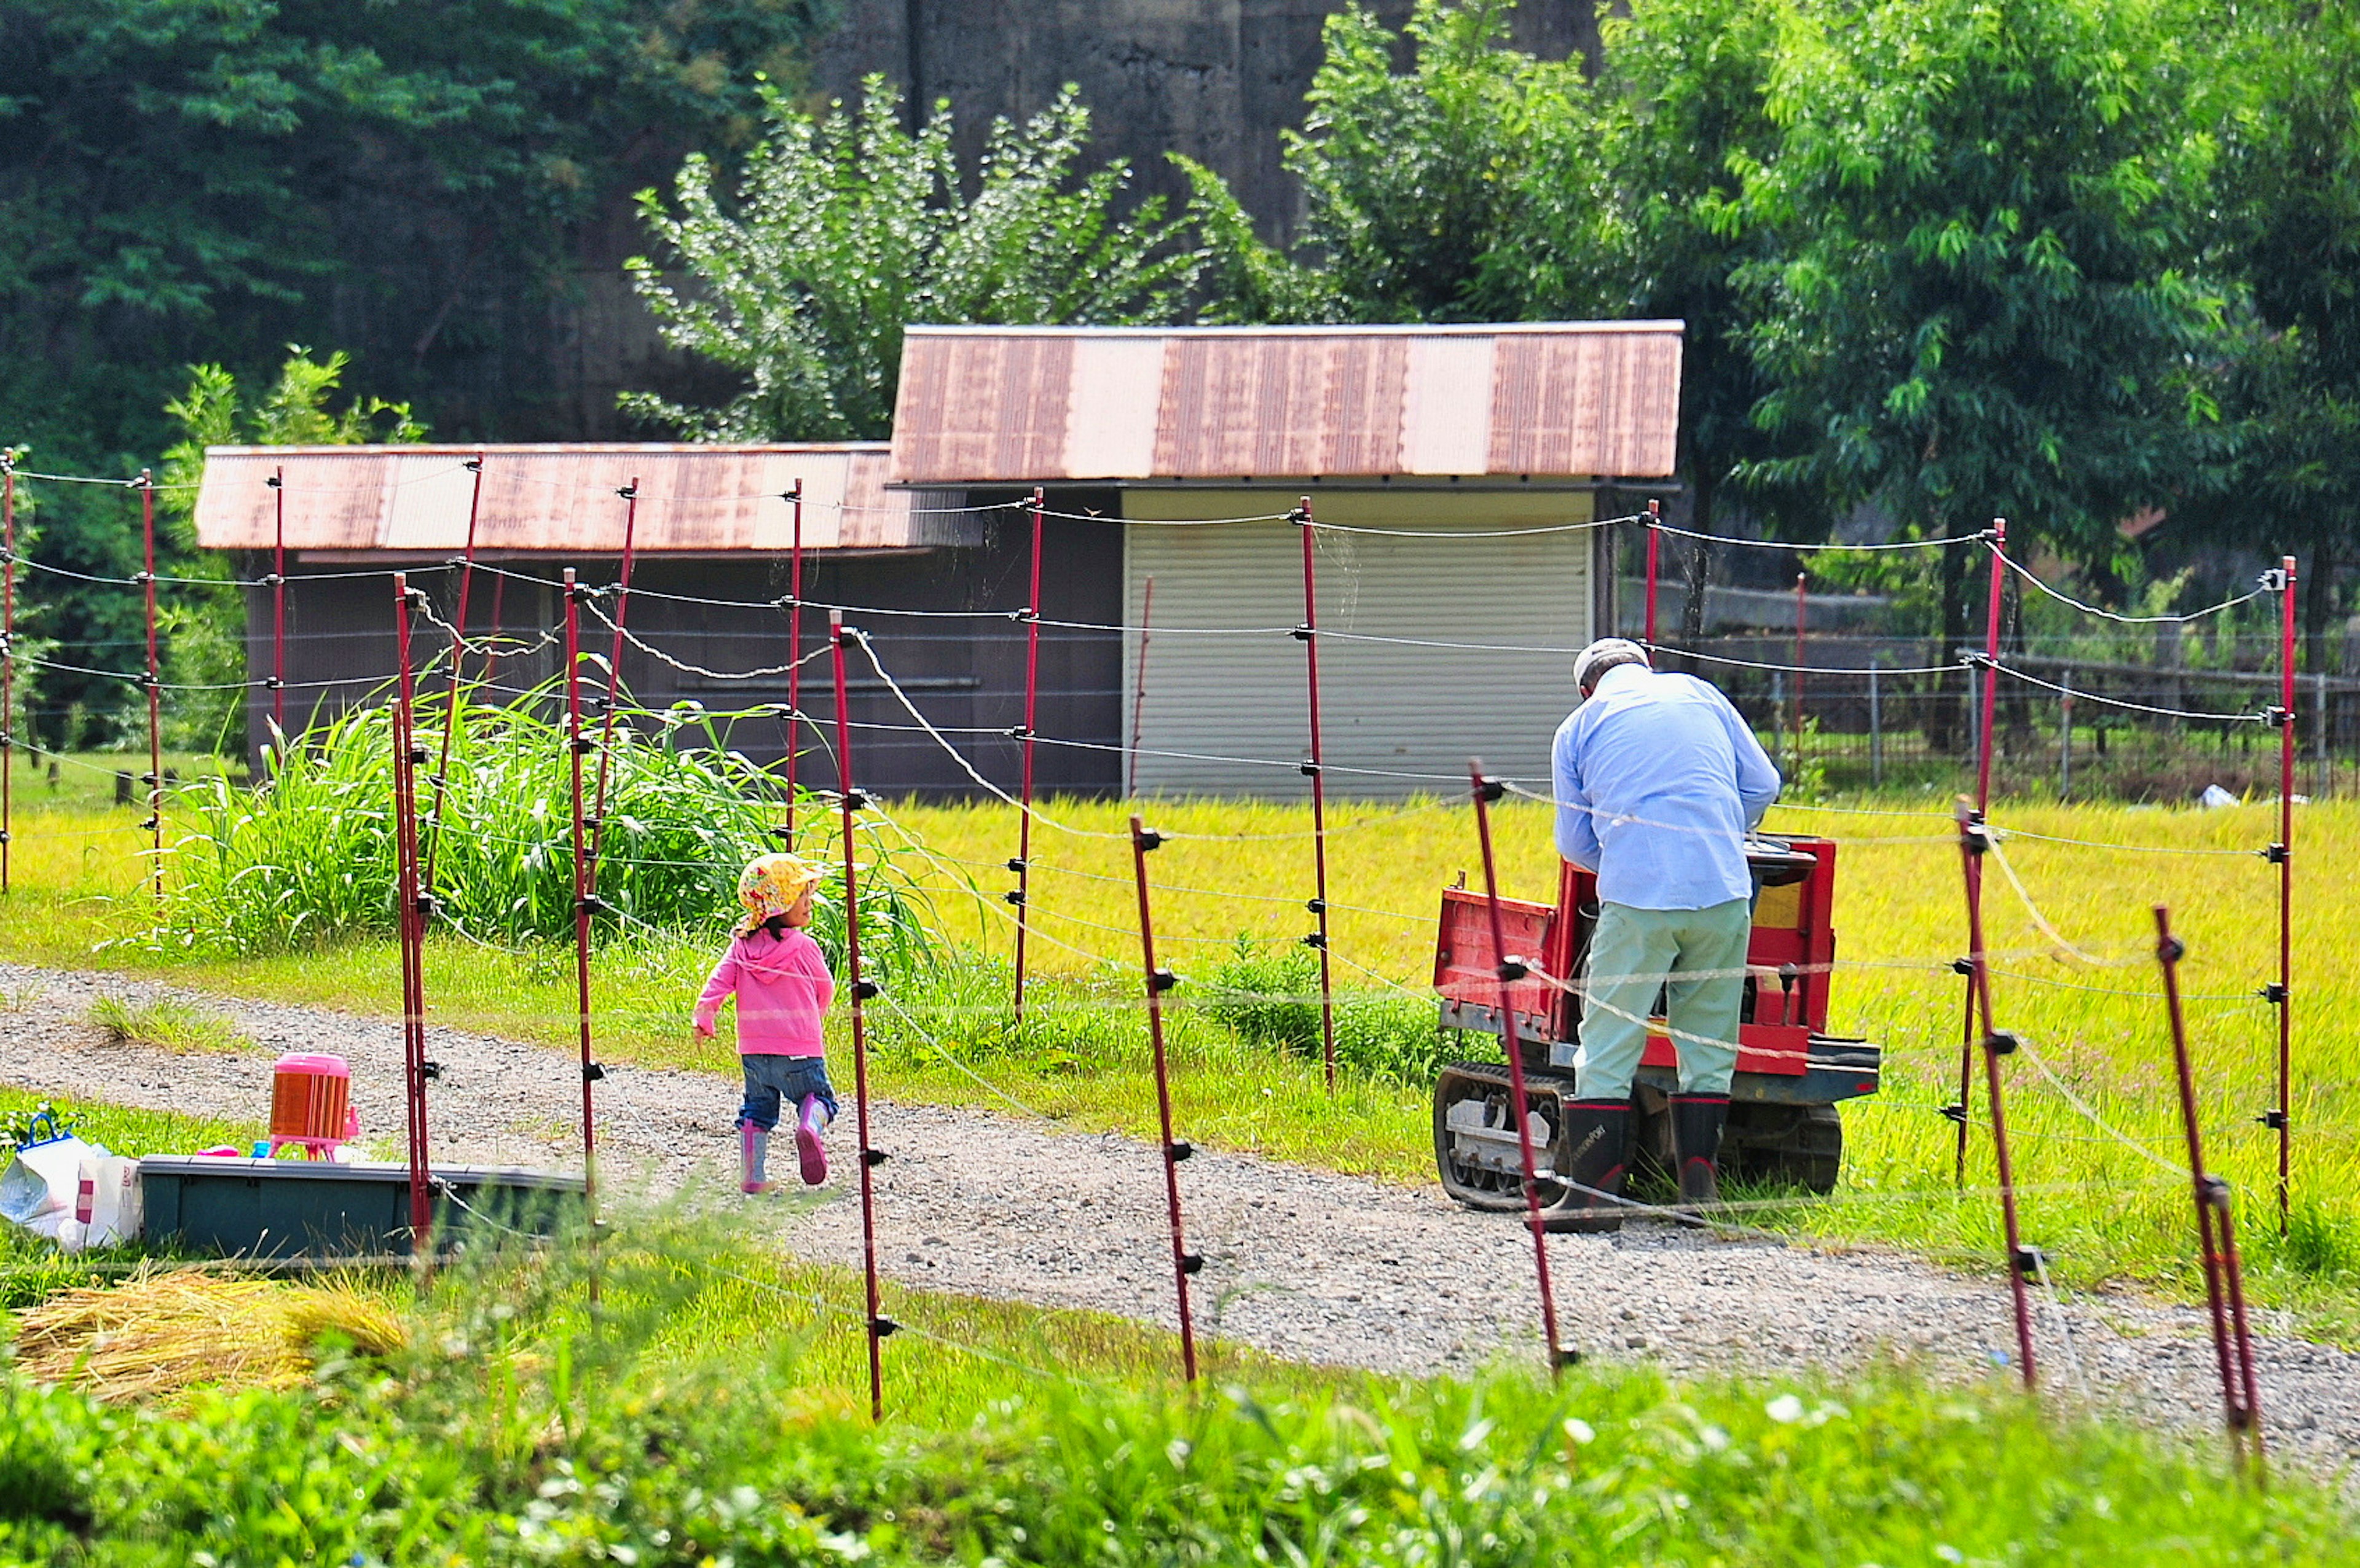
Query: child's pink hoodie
pixel 782 988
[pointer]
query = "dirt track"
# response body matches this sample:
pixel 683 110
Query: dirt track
pixel 1300 1263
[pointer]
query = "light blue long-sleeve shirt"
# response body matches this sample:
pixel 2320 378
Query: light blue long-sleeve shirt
pixel 1658 779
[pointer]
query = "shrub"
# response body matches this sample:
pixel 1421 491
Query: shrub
pixel 307 855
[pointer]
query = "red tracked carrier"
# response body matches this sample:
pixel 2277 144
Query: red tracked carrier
pixel 1791 1072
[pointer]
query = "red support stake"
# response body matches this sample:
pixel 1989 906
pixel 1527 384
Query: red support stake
pixel 794 498
pixel 2283 852
pixel 408 755
pixel 2216 1242
pixel 7 658
pixel 1023 864
pixel 279 605
pixel 1184 1262
pixel 458 649
pixel 859 989
pixel 630 494
pixel 585 886
pixel 1973 842
pixel 1654 553
pixel 1487 790
pixel 155 823
pixel 1316 768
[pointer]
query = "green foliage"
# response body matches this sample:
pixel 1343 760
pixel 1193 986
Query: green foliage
pixel 1980 302
pixel 202 182
pixel 844 230
pixel 1413 181
pixel 709 1411
pixel 308 857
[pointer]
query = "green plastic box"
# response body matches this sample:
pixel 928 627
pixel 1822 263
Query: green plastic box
pixel 299 1209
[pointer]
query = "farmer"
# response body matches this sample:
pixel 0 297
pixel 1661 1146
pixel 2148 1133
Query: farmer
pixel 1658 780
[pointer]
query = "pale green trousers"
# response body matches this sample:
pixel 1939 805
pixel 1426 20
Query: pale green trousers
pixel 1635 954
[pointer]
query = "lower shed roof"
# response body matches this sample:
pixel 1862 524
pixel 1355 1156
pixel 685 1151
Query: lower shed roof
pixel 692 499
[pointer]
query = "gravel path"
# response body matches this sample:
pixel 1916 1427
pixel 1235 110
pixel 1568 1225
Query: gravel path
pixel 1300 1263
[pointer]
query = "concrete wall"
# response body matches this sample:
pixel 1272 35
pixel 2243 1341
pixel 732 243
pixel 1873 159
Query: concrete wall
pixel 1215 78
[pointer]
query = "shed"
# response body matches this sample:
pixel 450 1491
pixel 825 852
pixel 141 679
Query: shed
pixel 1455 472
pixel 712 544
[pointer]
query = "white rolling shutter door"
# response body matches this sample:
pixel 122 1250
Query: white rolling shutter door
pixel 1391 709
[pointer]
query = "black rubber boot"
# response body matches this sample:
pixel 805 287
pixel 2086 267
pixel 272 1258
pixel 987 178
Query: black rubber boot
pixel 1593 1147
pixel 1696 1121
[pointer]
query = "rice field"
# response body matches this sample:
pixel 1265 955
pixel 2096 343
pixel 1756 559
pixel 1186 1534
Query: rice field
pixel 2092 1108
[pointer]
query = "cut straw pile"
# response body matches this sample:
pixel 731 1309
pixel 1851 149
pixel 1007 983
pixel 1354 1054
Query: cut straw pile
pixel 156 1334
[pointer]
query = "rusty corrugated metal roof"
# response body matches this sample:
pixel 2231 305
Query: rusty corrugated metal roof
pixel 693 498
pixel 1549 399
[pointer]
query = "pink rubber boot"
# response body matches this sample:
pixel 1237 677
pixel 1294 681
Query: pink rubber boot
pixel 807 1143
pixel 754 1148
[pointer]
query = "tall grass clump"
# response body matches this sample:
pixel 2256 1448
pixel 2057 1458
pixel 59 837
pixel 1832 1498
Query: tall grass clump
pixel 307 856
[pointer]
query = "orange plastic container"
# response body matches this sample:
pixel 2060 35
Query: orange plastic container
pixel 311 1103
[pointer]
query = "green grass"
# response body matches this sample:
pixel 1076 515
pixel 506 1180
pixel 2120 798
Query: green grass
pixel 167 1024
pixel 2107 1211
pixel 713 1408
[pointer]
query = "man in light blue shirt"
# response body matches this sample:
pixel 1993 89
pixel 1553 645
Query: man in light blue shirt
pixel 1657 781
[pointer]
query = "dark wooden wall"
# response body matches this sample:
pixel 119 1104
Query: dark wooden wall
pixel 965 674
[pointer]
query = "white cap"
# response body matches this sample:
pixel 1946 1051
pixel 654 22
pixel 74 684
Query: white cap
pixel 1594 660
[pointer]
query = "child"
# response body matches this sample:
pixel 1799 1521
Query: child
pixel 780 980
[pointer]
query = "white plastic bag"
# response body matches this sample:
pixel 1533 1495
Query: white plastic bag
pixel 106 1203
pixel 37 1188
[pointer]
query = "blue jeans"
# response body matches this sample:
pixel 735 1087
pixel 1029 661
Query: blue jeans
pixel 770 1079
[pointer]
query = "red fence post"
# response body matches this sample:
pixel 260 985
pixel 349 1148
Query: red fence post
pixel 630 494
pixel 1316 768
pixel 586 874
pixel 1986 691
pixel 860 989
pixel 794 498
pixel 7 658
pixel 1022 865
pixel 407 756
pixel 1486 791
pixel 2283 852
pixel 2216 1241
pixel 1973 842
pixel 278 602
pixel 155 823
pixel 1654 552
pixel 1184 1262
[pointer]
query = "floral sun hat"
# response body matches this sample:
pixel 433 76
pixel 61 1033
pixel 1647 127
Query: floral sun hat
pixel 771 886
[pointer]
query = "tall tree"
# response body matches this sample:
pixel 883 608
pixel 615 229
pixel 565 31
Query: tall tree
pixel 2292 181
pixel 844 230
pixel 1475 183
pixel 1413 179
pixel 182 181
pixel 1979 299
